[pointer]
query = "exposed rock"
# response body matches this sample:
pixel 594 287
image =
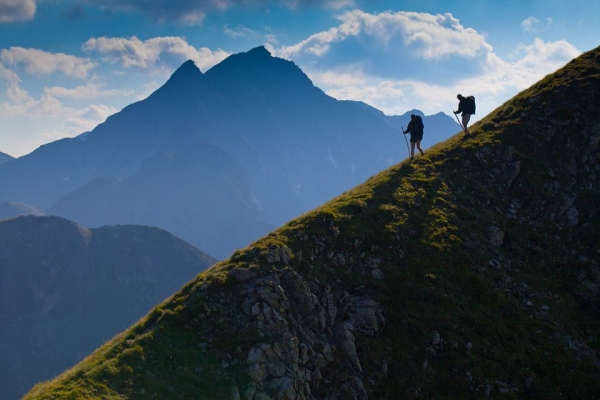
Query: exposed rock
pixel 495 236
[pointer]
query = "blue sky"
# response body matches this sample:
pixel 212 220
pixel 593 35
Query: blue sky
pixel 66 65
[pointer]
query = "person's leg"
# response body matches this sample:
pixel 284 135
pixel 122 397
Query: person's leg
pixel 419 147
pixel 412 149
pixel 465 122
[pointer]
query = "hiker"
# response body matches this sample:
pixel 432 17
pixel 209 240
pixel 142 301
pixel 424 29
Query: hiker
pixel 466 105
pixel 415 128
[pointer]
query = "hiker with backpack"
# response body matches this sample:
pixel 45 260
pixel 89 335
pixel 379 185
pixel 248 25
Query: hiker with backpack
pixel 415 128
pixel 466 106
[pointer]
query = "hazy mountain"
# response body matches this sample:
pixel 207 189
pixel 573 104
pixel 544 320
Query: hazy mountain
pixel 179 192
pixel 297 146
pixel 438 127
pixel 65 290
pixel 10 209
pixel 5 157
pixel 471 273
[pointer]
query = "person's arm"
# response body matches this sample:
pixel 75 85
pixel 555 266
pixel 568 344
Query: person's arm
pixel 408 128
pixel 460 107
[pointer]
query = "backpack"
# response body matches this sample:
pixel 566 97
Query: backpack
pixel 470 105
pixel 420 124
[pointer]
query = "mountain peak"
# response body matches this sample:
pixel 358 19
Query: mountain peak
pixel 188 70
pixel 259 51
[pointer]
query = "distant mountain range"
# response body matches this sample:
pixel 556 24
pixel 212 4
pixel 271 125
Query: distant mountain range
pixel 65 290
pixel 5 158
pixel 279 145
pixel 180 192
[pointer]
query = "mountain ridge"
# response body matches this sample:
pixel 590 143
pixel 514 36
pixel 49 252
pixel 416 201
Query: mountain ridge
pixel 469 273
pixel 10 209
pixel 5 157
pixel 66 289
pixel 169 183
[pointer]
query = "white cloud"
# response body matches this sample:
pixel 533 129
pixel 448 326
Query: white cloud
pixel 532 25
pixel 133 52
pixel 432 43
pixel 343 77
pixel 82 120
pixel 88 91
pixel 40 62
pixel 13 91
pixel 48 104
pixel 493 81
pixel 16 10
pixel 421 35
pixel 541 57
pixel 51 120
pixel 241 31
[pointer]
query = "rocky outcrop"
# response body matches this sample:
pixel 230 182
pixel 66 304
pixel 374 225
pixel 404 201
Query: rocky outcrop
pixel 309 332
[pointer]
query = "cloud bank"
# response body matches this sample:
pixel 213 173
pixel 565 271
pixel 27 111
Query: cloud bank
pixel 193 12
pixel 16 10
pixel 40 62
pixel 151 53
pixel 397 61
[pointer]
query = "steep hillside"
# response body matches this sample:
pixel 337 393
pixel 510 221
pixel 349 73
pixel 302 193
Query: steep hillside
pixel 65 290
pixel 471 273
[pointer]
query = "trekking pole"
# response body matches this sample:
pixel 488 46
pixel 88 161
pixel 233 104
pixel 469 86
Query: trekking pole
pixel 406 140
pixel 461 125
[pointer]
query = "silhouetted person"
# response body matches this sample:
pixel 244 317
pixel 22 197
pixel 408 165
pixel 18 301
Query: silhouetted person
pixel 466 106
pixel 415 128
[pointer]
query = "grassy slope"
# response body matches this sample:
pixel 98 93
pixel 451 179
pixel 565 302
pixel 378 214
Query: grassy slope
pixel 426 224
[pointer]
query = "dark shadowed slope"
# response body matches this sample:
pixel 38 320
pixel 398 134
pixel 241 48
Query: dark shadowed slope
pixel 65 290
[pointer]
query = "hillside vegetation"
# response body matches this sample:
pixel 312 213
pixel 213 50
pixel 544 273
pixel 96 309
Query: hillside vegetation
pixel 470 273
